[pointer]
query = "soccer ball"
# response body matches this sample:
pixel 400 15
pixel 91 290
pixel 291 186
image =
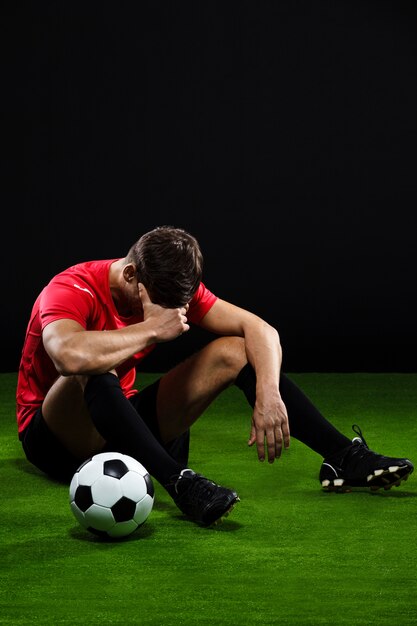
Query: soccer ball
pixel 111 494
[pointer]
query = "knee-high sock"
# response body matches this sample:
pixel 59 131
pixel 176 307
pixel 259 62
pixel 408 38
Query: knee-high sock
pixel 306 422
pixel 121 426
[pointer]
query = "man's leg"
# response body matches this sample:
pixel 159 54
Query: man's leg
pixel 119 422
pixel 84 415
pixel 188 389
pixel 347 463
pixel 84 412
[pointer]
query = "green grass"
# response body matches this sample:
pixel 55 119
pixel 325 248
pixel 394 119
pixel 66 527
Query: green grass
pixel 288 554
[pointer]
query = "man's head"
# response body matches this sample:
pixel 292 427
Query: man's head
pixel 169 264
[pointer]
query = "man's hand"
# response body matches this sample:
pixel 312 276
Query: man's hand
pixel 270 430
pixel 168 324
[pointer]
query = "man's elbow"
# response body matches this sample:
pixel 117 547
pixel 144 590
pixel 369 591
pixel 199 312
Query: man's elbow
pixel 69 362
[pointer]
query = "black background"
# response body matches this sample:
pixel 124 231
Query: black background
pixel 281 134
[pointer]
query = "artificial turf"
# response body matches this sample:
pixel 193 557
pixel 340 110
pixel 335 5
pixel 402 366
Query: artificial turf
pixel 288 554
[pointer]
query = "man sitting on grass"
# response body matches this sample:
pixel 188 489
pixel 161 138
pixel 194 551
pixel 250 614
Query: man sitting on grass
pixel 95 321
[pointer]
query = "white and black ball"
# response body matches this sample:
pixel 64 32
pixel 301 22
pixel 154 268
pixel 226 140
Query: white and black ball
pixel 111 494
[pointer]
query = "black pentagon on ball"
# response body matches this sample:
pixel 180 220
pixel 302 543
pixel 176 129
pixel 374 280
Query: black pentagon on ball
pixel 83 498
pixel 149 485
pixel 115 468
pixel 124 509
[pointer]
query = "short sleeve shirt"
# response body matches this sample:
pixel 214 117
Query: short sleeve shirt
pixel 81 293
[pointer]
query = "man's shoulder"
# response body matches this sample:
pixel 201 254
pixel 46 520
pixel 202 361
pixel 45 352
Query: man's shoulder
pixel 86 273
pixel 88 277
pixel 89 268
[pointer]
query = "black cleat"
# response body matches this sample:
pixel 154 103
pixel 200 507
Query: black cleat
pixel 201 499
pixel 358 466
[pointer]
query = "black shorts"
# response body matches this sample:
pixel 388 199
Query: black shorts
pixel 48 454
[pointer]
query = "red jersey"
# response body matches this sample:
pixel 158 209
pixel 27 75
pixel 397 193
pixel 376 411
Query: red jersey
pixel 81 293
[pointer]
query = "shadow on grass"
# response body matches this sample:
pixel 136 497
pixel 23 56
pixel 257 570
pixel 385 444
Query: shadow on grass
pixel 146 532
pixel 381 493
pixel 25 466
pixel 140 534
pixel 225 526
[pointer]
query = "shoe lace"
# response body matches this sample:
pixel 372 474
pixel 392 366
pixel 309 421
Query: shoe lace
pixel 200 488
pixel 360 452
pixel 356 429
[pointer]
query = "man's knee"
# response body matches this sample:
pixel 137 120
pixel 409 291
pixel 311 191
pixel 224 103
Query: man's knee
pixel 231 353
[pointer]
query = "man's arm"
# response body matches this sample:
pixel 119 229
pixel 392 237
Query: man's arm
pixel 75 350
pixel 264 353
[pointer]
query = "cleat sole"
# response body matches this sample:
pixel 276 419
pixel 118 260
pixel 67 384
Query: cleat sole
pixel 385 480
pixel 220 520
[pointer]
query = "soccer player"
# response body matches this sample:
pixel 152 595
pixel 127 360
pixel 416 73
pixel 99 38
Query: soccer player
pixel 95 321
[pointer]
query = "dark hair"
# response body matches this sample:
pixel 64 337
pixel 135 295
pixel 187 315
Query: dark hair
pixel 169 263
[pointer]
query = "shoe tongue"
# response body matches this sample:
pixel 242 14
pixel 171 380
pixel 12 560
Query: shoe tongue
pixel 182 484
pixel 187 473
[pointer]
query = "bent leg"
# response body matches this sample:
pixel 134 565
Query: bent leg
pixel 85 414
pixel 188 389
pixel 125 430
pixel 183 395
pixel 66 415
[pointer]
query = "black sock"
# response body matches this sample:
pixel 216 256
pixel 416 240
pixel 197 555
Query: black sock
pixel 124 430
pixel 306 422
